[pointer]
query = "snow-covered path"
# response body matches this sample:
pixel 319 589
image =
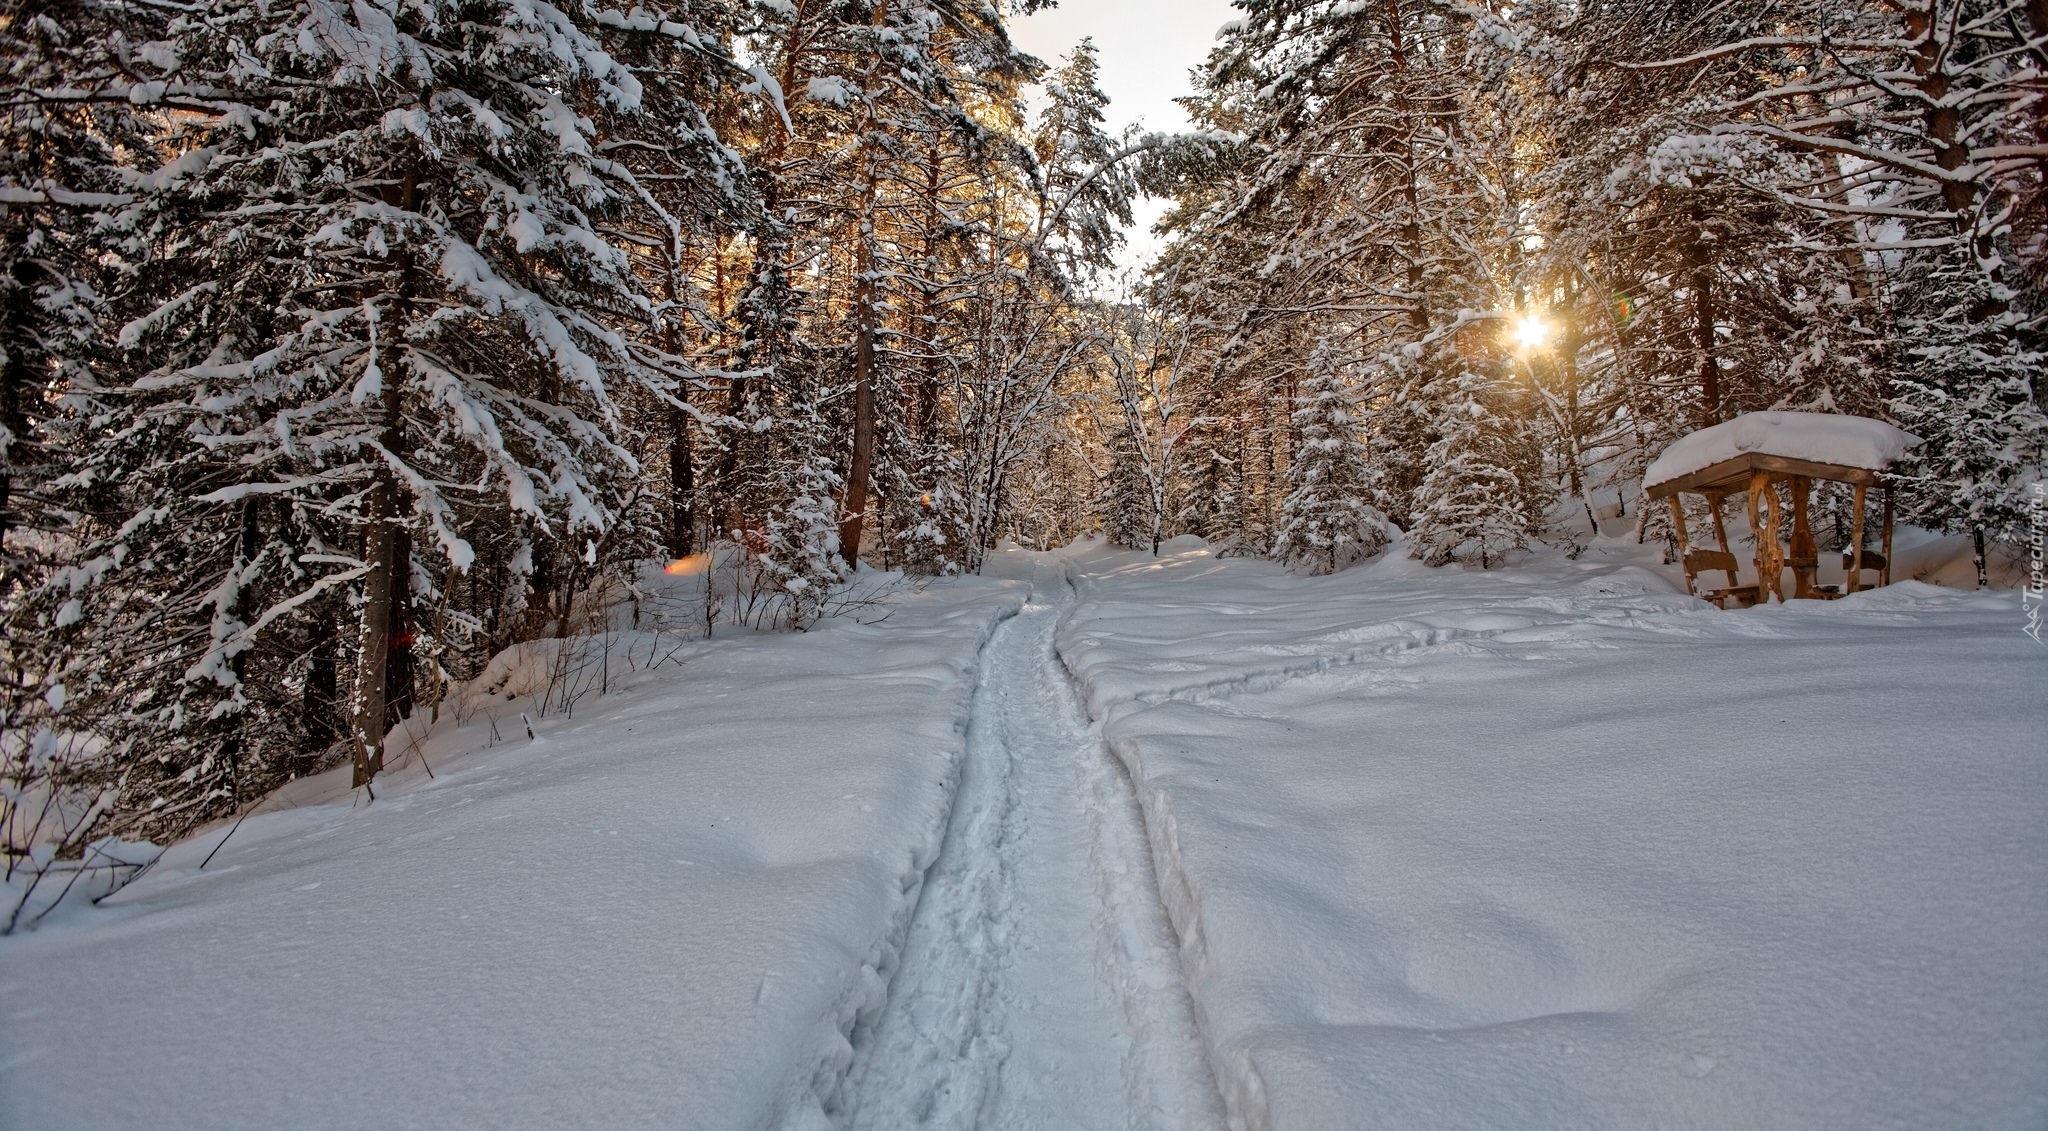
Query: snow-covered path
pixel 1039 986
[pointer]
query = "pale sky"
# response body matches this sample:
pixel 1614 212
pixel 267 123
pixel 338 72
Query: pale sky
pixel 1147 48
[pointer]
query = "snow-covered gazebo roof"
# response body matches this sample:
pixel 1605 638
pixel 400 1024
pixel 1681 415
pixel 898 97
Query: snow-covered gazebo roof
pixel 1818 445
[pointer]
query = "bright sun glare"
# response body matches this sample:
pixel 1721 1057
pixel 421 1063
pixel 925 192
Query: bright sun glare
pixel 1531 332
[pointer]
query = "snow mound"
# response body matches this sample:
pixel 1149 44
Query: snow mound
pixel 1852 441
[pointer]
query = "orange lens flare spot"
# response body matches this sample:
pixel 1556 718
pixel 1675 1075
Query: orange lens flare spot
pixel 688 567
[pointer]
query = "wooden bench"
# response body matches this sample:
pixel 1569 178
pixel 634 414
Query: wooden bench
pixel 1743 595
pixel 1700 561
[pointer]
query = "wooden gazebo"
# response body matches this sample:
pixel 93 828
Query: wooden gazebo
pixel 1754 454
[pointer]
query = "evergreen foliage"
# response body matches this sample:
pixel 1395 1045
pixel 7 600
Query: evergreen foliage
pixel 1327 521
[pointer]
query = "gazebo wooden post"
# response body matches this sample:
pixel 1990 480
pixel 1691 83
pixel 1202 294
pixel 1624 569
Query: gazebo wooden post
pixel 1763 518
pixel 1805 554
pixel 1774 520
pixel 1885 577
pixel 1714 501
pixel 1684 550
pixel 1855 558
pixel 1757 480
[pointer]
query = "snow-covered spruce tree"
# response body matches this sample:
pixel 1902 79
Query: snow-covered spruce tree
pixel 922 516
pixel 1966 388
pixel 694 194
pixel 1400 409
pixel 1125 501
pixel 392 318
pixel 77 150
pixel 800 555
pixel 1484 494
pixel 920 505
pixel 1208 475
pixel 66 114
pixel 1326 522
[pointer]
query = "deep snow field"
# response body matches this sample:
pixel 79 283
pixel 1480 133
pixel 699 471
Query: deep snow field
pixel 1554 846
pixel 1103 841
pixel 666 912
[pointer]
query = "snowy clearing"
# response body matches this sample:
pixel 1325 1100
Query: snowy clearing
pixel 1555 847
pixel 1547 846
pixel 668 912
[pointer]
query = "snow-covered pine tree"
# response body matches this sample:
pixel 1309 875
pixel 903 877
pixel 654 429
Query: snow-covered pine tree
pixel 922 516
pixel 948 226
pixel 1039 222
pixel 870 162
pixel 388 321
pixel 692 195
pixel 1398 408
pixel 1085 193
pixel 1125 501
pixel 1208 475
pixel 1376 174
pixel 81 95
pixel 800 553
pixel 1967 389
pixel 1327 522
pixel 1484 494
pixel 67 115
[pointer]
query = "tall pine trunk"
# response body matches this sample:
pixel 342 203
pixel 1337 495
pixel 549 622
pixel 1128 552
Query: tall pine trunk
pixel 1700 278
pixel 682 482
pixel 386 551
pixel 401 667
pixel 853 511
pixel 15 379
pixel 374 637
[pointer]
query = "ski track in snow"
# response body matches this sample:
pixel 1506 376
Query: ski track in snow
pixel 1039 986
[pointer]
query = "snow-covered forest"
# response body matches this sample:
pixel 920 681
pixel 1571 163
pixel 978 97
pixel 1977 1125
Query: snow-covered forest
pixel 356 354
pixel 346 346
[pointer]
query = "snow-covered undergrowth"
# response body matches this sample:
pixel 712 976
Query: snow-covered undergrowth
pixel 1556 846
pixel 668 908
pixel 619 629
